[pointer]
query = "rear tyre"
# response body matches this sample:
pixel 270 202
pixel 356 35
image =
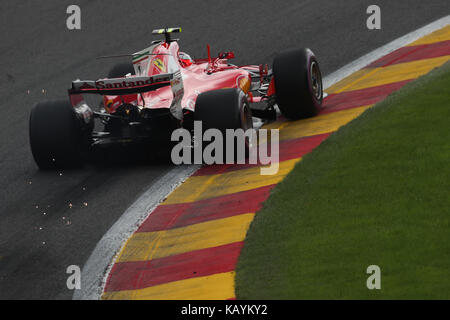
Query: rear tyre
pixel 298 83
pixel 225 109
pixel 56 135
pixel 120 70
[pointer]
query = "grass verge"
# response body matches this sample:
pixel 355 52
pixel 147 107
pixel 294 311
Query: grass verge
pixel 375 193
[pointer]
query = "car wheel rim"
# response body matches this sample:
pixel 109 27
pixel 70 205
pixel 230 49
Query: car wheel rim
pixel 316 81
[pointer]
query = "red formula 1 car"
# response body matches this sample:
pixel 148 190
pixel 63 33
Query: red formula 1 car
pixel 163 89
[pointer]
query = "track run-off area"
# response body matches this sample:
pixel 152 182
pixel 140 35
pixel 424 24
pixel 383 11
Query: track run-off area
pixel 189 245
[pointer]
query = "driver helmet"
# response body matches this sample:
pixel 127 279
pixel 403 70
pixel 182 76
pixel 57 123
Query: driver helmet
pixel 185 59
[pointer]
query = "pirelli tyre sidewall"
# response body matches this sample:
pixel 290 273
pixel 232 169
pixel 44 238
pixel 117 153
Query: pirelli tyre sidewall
pixel 298 83
pixel 58 136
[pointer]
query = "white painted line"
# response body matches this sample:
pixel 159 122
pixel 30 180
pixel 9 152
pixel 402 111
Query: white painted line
pixel 98 266
pixel 364 61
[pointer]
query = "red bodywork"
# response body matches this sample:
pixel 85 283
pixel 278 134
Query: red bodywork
pixel 198 76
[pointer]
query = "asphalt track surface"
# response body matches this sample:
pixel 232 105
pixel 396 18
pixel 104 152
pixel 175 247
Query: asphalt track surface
pixel 38 53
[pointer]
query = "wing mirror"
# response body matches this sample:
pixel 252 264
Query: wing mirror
pixel 226 55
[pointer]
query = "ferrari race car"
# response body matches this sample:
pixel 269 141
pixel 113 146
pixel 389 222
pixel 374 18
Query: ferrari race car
pixel 162 89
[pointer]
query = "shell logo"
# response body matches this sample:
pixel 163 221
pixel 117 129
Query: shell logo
pixel 244 83
pixel 108 103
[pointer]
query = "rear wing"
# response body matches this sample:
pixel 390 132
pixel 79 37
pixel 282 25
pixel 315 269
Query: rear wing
pixel 128 86
pixel 121 86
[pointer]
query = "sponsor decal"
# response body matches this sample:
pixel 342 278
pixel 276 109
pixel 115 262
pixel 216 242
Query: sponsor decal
pixel 85 85
pixel 243 83
pixel 111 103
pixel 121 83
pixel 159 64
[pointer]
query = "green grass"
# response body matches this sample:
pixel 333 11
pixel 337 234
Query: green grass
pixel 376 192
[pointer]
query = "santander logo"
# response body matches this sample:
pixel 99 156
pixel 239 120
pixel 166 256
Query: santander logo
pixel 121 83
pixel 131 83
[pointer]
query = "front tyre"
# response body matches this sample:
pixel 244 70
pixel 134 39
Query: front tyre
pixel 298 83
pixel 57 138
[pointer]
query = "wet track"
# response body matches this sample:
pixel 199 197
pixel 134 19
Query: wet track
pixel 50 220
